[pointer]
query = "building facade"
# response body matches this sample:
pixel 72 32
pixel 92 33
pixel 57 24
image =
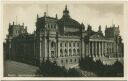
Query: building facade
pixel 63 41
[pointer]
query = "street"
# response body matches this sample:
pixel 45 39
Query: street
pixel 13 69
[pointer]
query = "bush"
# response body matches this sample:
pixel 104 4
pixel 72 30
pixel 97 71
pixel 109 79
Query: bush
pixel 74 73
pixel 86 63
pixel 50 69
pixel 115 70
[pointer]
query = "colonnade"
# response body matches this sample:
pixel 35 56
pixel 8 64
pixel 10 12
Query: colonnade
pixel 100 48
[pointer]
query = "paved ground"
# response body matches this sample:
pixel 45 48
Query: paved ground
pixel 13 69
pixel 110 61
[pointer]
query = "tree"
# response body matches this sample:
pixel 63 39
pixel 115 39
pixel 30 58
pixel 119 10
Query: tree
pixel 74 73
pixel 115 70
pixel 87 63
pixel 50 69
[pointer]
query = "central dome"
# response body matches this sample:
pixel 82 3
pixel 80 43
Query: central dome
pixel 67 21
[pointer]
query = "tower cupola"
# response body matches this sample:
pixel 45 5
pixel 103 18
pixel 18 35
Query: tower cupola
pixel 66 12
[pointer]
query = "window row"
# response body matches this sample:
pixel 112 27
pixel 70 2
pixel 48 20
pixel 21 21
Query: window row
pixel 69 61
pixel 65 44
pixel 51 26
pixel 73 52
pixel 70 50
pixel 70 44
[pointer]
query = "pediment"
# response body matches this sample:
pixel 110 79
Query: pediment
pixel 97 36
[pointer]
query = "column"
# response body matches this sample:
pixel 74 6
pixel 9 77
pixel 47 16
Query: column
pixel 56 52
pixel 89 49
pixel 58 48
pixel 112 47
pixel 117 50
pixel 102 48
pixel 108 45
pixel 99 49
pixel 96 48
pixel 106 48
pixel 72 47
pixel 40 49
pixel 83 48
pixel 67 48
pixel 92 49
pixel 49 47
pixel 109 48
pixel 86 49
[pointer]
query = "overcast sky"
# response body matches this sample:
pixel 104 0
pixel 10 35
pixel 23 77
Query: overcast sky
pixel 93 14
pixel 63 80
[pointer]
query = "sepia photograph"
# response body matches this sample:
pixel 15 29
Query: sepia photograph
pixel 63 80
pixel 62 39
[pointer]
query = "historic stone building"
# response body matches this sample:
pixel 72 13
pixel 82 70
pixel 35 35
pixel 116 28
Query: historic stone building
pixel 63 41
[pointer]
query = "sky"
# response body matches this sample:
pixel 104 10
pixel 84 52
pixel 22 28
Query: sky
pixel 64 80
pixel 94 14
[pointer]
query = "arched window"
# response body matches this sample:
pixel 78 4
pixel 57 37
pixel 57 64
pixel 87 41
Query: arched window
pixel 70 52
pixel 65 44
pixel 77 44
pixel 60 44
pixel 69 44
pixel 74 52
pixel 52 44
pixel 61 53
pixel 53 54
pixel 66 61
pixel 51 26
pixel 75 60
pixel 66 53
pixel 55 26
pixel 48 26
pixel 74 44
pixel 78 51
